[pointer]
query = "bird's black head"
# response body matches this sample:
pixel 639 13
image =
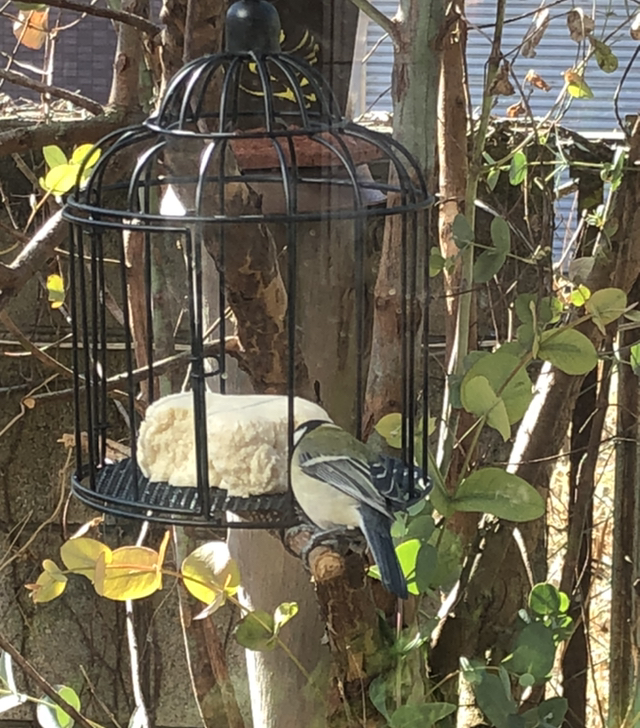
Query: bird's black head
pixel 305 428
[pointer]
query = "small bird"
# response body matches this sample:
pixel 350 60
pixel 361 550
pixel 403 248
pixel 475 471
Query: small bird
pixel 340 483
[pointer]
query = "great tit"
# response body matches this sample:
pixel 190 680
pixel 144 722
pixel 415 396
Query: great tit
pixel 340 483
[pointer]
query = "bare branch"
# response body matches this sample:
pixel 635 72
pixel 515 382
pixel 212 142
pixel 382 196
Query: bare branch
pixel 32 258
pixel 387 24
pixel 64 133
pixel 20 79
pixel 121 16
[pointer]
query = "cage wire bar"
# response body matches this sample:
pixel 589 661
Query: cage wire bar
pixel 212 107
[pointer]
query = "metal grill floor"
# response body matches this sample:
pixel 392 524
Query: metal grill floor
pixel 122 491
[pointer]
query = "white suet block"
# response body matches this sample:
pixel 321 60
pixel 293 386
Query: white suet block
pixel 246 436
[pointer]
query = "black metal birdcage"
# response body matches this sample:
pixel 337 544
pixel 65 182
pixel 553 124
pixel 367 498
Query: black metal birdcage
pixel 154 223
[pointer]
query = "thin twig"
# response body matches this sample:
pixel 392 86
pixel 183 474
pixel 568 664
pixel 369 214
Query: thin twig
pixel 40 355
pixel 160 367
pixel 387 24
pixel 119 15
pixel 43 684
pixel 21 79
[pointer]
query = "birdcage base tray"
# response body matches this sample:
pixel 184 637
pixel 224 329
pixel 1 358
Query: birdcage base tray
pixel 116 490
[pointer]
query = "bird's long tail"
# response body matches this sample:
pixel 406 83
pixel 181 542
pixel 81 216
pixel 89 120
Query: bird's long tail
pixel 376 528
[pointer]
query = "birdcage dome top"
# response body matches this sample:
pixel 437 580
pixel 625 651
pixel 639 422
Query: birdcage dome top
pixel 248 115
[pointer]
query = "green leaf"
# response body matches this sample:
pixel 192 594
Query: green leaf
pixel 436 262
pixel 494 701
pixel 493 175
pixel 580 295
pixel 552 712
pixel 421 716
pixel 605 58
pixel 568 350
pixel 505 495
pixel 501 234
pixel 256 631
pixel 390 428
pixel 50 715
pixel 634 358
pixel 462 232
pixel 606 305
pixel 545 600
pixel 378 695
pixel 518 168
pixel 450 555
pixel 487 264
pixel 284 613
pixel 534 653
pixel 426 568
pixel 527 680
pixel 480 400
pixel 508 379
pixel 53 155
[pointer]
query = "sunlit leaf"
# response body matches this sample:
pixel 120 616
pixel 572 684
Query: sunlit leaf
pixel 479 398
pixel 569 350
pixel 606 305
pixel 209 571
pixel 580 295
pixel 508 379
pixel 577 86
pixel 503 494
pixel 61 179
pixel 634 358
pixel 80 555
pixel 55 290
pixel 53 156
pixel 283 613
pixel 51 715
pixel 546 600
pixel 81 152
pixel 518 168
pixel 49 585
pixel 390 428
pixel 130 572
pixel 31 27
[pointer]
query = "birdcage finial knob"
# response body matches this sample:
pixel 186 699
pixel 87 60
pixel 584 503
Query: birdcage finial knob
pixel 252 25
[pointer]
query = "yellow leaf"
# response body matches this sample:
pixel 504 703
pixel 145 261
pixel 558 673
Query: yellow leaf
pixel 80 555
pixel 577 86
pixel 130 572
pixel 55 287
pixel 61 179
pixel 80 153
pixel 30 29
pixel 209 570
pixel 49 585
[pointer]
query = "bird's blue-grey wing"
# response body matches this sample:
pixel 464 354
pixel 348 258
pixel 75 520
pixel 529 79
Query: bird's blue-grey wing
pixel 347 474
